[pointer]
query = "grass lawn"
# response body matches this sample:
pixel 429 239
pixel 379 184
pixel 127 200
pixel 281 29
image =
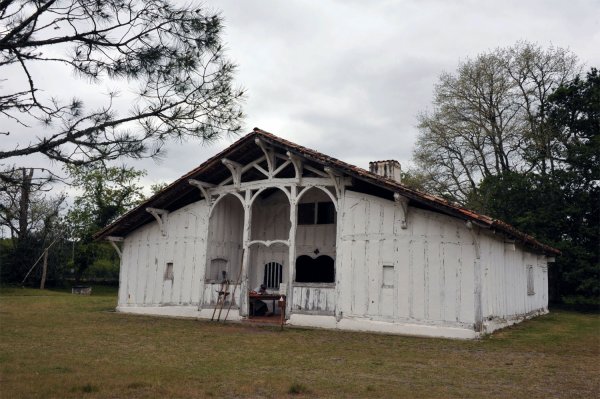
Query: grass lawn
pixel 57 345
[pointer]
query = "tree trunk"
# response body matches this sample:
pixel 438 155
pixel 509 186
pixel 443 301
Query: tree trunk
pixel 24 202
pixel 44 270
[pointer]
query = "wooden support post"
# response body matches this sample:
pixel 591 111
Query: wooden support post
pixel 292 247
pixel 246 252
pixel 282 306
pixel 44 270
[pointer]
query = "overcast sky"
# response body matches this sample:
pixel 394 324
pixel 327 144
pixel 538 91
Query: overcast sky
pixel 348 78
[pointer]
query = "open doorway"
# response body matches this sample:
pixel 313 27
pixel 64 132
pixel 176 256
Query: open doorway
pixel 268 270
pixel 225 247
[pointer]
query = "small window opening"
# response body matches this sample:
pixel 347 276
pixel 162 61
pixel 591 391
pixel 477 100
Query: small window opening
pixel 218 270
pixel 306 213
pixel 169 271
pixel 388 276
pixel 273 275
pixel 316 213
pixel 319 270
pixel 530 287
pixel 325 213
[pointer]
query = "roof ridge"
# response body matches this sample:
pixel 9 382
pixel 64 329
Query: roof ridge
pixel 358 172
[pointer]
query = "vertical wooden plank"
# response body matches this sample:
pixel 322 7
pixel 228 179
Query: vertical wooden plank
pixel 359 293
pixel 161 246
pixel 133 272
pixel 373 277
pixel 150 270
pixel 402 265
pixel 418 279
pixel 125 259
pixel 451 258
pixel 433 279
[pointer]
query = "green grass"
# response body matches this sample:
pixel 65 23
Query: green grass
pixel 57 345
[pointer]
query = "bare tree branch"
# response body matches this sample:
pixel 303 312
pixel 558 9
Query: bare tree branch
pixel 173 53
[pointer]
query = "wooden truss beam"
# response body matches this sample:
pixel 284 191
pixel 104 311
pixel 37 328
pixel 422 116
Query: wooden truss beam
pixel 269 156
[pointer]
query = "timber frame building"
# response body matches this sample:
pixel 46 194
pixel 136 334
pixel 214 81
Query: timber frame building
pixel 349 248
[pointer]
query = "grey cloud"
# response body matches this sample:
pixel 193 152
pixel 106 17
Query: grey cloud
pixel 349 78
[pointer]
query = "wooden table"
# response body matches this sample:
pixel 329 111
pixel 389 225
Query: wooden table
pixel 281 299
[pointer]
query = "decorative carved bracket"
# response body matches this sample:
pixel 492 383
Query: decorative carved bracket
pixel 269 156
pixel 297 162
pixel 204 188
pixel 113 241
pixel 235 169
pixel 403 202
pixel 337 180
pixel 161 217
pixel 476 240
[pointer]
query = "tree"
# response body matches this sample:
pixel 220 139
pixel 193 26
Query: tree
pixel 559 205
pixel 490 118
pixel 515 134
pixel 106 193
pixel 157 187
pixel 174 54
pixel 29 215
pixel 574 114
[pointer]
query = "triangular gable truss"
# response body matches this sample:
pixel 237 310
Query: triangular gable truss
pixel 304 177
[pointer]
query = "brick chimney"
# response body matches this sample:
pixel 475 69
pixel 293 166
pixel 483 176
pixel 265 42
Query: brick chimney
pixel 390 169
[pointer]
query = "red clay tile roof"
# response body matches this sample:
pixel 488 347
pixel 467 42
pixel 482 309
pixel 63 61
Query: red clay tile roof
pixel 169 195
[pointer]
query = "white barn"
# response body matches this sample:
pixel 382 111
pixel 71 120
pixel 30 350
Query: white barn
pixel 350 249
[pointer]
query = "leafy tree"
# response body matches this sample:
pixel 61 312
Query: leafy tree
pixel 105 194
pixel 515 134
pixel 172 53
pixel 562 207
pixel 575 116
pixel 490 118
pixel 157 187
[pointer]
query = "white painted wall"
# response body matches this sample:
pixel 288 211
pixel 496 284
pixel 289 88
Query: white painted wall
pixel 432 261
pixel 146 253
pixel 504 278
pixel 314 298
pixel 225 238
pixel 432 282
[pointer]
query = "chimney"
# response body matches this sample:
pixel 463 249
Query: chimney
pixel 389 169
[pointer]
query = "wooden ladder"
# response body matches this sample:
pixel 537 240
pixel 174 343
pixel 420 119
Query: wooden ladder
pixel 221 299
